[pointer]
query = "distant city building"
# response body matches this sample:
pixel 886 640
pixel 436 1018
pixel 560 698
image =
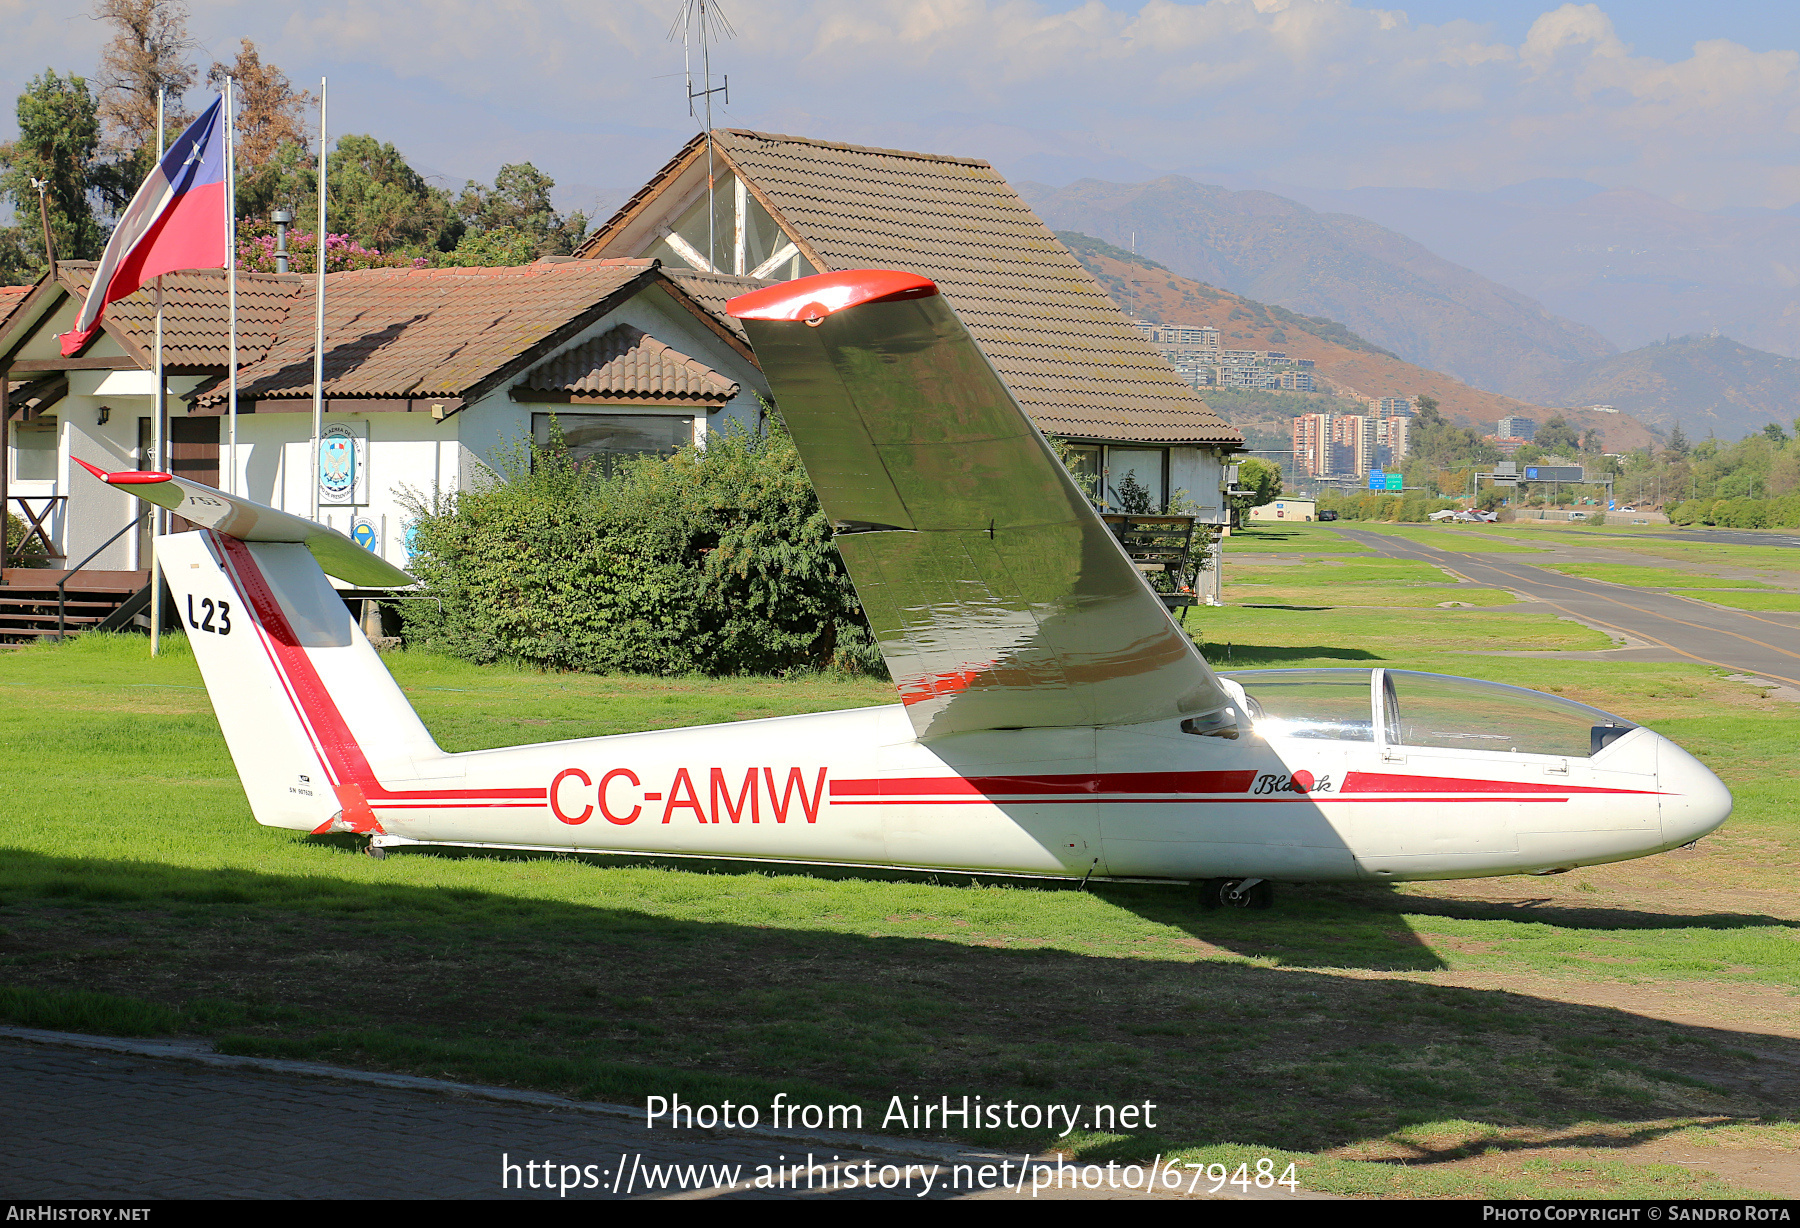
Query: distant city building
pixel 1391 436
pixel 1312 445
pixel 1516 427
pixel 1603 409
pixel 1390 407
pixel 1507 445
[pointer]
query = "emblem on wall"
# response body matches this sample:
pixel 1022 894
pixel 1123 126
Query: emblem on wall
pixel 343 465
pixel 363 533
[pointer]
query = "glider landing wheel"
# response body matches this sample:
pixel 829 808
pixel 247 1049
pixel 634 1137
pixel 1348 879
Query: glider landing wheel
pixel 375 850
pixel 1244 893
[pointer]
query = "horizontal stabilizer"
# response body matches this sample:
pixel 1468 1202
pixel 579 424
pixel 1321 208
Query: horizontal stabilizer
pixel 238 517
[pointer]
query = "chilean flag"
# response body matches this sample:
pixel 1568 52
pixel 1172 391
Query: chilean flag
pixel 177 220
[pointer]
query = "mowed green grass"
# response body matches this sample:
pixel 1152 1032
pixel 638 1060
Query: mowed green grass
pixel 1267 537
pixel 1323 581
pixel 136 895
pixel 1772 602
pixel 1649 577
pixel 1464 538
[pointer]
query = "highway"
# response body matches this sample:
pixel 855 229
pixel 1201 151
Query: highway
pixel 1692 630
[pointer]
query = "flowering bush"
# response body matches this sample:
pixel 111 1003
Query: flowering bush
pixel 256 252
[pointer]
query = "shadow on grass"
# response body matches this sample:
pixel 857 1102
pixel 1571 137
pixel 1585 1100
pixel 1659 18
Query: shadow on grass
pixel 1223 655
pixel 613 1002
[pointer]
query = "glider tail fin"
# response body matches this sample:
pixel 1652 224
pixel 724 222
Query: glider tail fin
pixel 312 717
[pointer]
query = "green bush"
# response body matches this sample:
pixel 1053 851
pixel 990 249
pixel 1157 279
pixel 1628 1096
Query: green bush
pixel 32 554
pixel 717 561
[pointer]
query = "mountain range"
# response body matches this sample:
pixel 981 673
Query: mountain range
pixel 1710 385
pixel 1636 267
pixel 1380 284
pixel 1344 363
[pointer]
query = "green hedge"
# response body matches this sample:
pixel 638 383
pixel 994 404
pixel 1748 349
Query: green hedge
pixel 717 561
pixel 1778 513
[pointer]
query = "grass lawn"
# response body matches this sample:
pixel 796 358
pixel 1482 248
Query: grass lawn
pixel 1754 601
pixel 1270 537
pixel 1491 1038
pixel 1309 582
pixel 1648 577
pixel 1466 538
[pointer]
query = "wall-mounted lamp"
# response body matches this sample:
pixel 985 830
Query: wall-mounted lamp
pixel 105 413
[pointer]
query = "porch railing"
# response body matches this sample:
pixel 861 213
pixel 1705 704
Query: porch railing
pixel 15 553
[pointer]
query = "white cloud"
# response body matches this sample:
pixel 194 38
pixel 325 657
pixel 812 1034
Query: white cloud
pixel 1308 91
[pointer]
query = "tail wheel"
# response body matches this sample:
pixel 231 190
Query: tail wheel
pixel 1237 893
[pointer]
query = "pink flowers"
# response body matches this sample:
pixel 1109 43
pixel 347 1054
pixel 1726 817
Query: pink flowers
pixel 256 252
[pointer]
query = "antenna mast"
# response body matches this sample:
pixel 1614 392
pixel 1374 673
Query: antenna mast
pixel 701 21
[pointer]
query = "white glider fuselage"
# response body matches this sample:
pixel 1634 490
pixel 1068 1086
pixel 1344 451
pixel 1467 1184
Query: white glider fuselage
pixel 326 741
pixel 1054 721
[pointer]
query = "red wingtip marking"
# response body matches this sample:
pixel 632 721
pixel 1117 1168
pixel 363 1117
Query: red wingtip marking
pixel 130 477
pixel 814 298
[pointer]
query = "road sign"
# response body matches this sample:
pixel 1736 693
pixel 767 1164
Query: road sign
pixel 1554 473
pixel 1377 480
pixel 1396 481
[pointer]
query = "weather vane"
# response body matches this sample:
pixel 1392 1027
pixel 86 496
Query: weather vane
pixel 700 21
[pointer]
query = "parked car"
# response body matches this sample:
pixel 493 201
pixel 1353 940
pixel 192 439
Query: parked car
pixel 1327 515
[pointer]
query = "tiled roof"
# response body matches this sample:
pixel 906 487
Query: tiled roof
pixel 1067 352
pixel 626 363
pixel 10 298
pixel 713 290
pixel 196 313
pixel 431 332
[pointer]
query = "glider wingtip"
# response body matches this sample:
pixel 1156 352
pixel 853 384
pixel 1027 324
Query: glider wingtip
pixel 813 298
pixel 130 477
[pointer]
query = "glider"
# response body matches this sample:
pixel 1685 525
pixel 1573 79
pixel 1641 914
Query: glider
pixel 1052 721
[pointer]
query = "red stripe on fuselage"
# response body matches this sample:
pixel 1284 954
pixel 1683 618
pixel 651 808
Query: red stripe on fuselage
pixel 339 751
pixel 1390 782
pixel 1090 785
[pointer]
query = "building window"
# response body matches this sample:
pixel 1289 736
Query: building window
pixel 1135 480
pixel 1083 463
pixel 34 454
pixel 756 248
pixel 607 439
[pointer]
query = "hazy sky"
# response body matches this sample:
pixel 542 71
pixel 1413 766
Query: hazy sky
pixel 1696 103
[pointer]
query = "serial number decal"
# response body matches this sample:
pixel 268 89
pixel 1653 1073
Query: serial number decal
pixel 215 616
pixel 1300 782
pixel 619 797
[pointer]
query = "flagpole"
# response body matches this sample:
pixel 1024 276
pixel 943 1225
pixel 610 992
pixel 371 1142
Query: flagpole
pixel 159 433
pixel 318 422
pixel 231 273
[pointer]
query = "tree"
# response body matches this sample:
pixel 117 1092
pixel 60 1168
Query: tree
pixel 58 145
pixel 1678 443
pixel 519 201
pixel 374 197
pixel 1592 441
pixel 1557 436
pixel 504 245
pixel 1775 434
pixel 1259 477
pixel 148 53
pixel 270 113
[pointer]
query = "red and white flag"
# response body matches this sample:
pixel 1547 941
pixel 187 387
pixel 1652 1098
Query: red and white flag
pixel 177 220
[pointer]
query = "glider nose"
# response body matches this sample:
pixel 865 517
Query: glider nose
pixel 1694 801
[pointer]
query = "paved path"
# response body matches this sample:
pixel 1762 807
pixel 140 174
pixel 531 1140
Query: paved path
pixel 101 1121
pixel 1686 630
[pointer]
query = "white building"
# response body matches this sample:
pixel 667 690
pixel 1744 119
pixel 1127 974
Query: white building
pixel 435 377
pixel 781 207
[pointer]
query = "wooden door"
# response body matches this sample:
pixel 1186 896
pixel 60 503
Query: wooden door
pixel 194 455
